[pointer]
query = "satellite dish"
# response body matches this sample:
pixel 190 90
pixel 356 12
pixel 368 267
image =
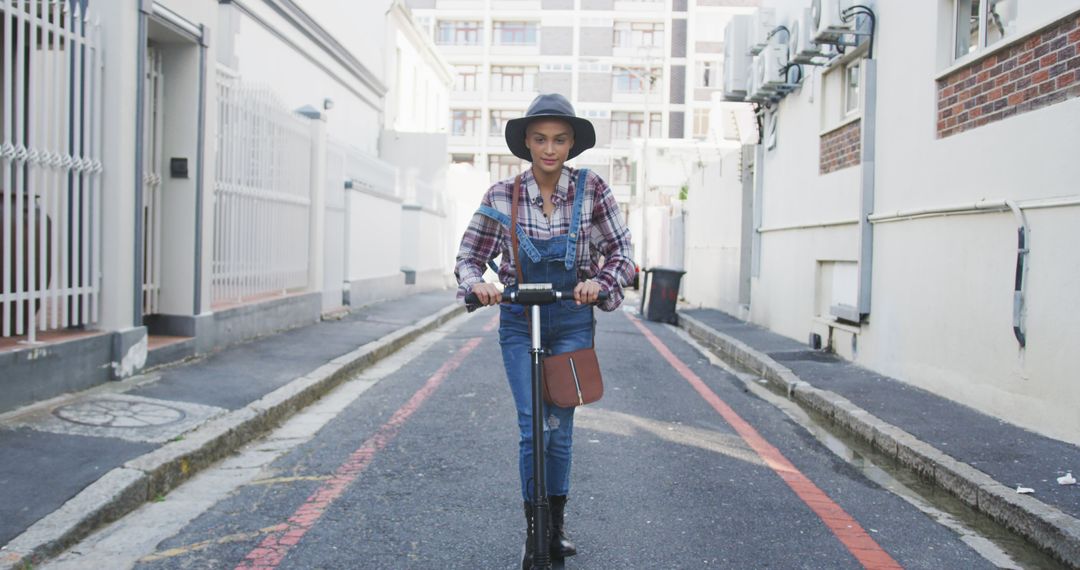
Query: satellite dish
pixel 815 13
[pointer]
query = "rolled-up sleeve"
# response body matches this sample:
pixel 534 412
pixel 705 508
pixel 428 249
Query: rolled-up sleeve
pixel 611 238
pixel 479 244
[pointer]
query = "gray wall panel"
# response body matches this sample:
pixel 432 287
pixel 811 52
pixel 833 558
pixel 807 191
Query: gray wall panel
pixel 603 134
pixel 678 38
pixel 594 87
pixel 597 4
pixel 554 82
pixel 678 84
pixel 556 40
pixel 596 41
pixel 675 125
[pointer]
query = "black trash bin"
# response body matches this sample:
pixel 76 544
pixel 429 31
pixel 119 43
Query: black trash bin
pixel 661 293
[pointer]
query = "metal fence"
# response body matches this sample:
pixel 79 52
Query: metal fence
pixel 50 193
pixel 262 194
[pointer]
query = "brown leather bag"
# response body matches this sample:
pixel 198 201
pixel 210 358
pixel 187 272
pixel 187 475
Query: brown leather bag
pixel 572 378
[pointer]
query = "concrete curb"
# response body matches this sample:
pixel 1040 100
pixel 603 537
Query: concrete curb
pixel 1043 525
pixel 153 474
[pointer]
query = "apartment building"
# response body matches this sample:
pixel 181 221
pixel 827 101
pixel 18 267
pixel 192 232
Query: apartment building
pixel 635 68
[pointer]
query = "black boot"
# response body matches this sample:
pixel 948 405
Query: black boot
pixel 561 547
pixel 527 560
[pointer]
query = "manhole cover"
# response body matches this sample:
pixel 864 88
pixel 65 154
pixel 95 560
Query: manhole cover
pixel 118 413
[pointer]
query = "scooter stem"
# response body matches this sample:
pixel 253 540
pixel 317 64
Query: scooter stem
pixel 541 529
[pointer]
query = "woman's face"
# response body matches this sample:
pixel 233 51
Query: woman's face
pixel 549 142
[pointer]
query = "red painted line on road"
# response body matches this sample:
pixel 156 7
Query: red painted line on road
pixel 850 533
pixel 273 549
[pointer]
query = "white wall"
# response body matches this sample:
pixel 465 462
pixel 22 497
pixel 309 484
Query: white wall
pixel 306 74
pixel 375 246
pixel 941 313
pixel 714 236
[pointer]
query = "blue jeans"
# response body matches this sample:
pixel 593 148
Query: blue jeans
pixel 564 327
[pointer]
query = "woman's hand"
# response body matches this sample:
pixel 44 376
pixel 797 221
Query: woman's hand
pixel 586 292
pixel 487 293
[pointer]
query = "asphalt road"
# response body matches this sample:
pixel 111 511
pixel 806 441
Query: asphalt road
pixel 419 470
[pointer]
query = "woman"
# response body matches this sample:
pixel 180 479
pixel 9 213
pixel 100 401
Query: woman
pixel 553 212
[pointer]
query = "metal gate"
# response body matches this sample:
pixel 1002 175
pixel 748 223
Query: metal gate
pixel 50 194
pixel 152 161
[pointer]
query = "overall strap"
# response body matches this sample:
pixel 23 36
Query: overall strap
pixel 575 220
pixel 514 228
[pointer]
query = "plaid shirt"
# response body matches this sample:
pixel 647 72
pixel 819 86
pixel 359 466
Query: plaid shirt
pixel 609 238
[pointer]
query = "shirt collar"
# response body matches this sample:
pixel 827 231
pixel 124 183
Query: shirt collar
pixel 532 190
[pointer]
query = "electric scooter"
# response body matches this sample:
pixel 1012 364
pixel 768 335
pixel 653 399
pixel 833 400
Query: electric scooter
pixel 533 295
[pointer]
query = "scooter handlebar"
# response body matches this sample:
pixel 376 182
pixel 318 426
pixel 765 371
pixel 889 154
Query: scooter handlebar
pixel 536 297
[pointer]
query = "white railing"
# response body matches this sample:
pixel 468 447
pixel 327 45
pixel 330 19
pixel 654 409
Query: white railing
pixel 262 194
pixel 50 193
pixel 152 160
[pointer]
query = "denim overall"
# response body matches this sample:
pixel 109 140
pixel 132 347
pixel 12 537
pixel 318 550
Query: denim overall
pixel 564 326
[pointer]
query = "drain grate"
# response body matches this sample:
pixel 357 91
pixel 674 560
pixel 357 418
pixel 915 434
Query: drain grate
pixel 119 413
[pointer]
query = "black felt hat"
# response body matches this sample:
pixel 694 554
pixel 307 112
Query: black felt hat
pixel 549 106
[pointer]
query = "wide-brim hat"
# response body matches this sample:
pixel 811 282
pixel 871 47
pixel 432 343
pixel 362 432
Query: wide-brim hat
pixel 549 106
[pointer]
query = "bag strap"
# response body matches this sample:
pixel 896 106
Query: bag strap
pixel 513 228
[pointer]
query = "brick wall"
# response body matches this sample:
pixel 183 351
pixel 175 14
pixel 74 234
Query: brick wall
pixel 840 148
pixel 1040 70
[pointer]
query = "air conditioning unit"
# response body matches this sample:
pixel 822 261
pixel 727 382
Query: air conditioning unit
pixel 773 60
pixel 829 25
pixel 737 59
pixel 761 26
pixel 754 93
pixel 802 47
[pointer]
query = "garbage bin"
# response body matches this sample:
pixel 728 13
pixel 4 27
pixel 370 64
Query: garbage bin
pixel 661 293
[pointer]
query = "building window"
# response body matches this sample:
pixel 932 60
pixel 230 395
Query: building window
pixel 458 33
pixel 497 125
pixel 514 34
pixel 852 81
pixel 620 173
pixel 626 125
pixel 982 23
pixel 465 77
pixel 513 78
pixel 636 79
pixel 701 123
pixel 638 34
pixel 503 166
pixel 463 158
pixel 706 76
pixel 464 122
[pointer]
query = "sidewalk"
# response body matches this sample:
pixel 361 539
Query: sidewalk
pixel 977 458
pixel 79 461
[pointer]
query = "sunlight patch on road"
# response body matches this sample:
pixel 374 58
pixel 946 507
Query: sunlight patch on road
pixel 627 425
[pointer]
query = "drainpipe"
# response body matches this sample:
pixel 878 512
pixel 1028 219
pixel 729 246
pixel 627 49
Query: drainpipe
pixel 1019 283
pixel 866 207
